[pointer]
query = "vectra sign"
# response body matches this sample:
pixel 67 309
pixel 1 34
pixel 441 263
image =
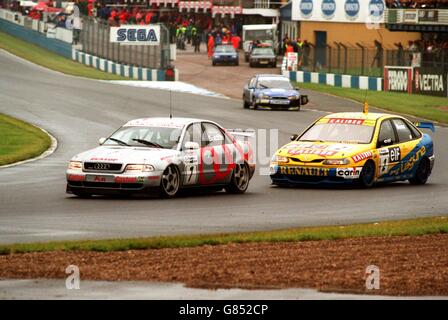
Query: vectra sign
pixel 430 82
pixel 136 35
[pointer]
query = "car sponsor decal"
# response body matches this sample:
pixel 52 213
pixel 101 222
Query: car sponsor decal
pixel 351 121
pixel 349 173
pixel 316 149
pixel 317 152
pixel 153 123
pixel 305 171
pixel 394 154
pixel 103 159
pixel 409 164
pixel 129 179
pixel 362 156
pixel 76 177
pixel 346 121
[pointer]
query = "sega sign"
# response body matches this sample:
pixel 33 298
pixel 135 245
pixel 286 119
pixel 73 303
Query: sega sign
pixel 135 35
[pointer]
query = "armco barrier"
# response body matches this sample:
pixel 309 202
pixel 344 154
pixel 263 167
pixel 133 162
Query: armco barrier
pixel 133 72
pixel 37 38
pixel 336 80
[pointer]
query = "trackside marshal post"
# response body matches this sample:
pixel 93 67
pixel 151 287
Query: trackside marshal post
pixel 136 35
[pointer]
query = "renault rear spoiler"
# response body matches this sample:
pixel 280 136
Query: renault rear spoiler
pixel 425 125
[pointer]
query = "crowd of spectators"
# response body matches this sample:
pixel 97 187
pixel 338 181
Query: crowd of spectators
pixel 417 4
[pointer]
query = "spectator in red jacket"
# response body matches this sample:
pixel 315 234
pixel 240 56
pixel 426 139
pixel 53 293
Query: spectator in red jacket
pixel 236 41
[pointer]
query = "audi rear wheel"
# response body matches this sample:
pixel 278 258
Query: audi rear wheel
pixel 240 179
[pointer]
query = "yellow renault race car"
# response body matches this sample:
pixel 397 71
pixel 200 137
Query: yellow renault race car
pixel 362 148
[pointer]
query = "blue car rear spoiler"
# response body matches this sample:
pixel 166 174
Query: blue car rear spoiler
pixel 426 125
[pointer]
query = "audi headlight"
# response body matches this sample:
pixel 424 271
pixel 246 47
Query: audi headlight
pixel 130 168
pixel 75 165
pixel 333 162
pixel 280 159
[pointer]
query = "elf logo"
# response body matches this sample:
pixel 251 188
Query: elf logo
pixel 394 154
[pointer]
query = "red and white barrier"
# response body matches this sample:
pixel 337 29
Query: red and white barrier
pixel 165 2
pixel 223 10
pixel 195 5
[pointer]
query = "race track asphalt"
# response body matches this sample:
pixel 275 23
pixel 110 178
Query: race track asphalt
pixel 35 207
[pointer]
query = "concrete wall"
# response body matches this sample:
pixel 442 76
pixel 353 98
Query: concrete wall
pixel 133 72
pixel 16 30
pixel 336 80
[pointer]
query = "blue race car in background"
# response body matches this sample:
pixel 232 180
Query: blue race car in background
pixel 272 91
pixel 225 54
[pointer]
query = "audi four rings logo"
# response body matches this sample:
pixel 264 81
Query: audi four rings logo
pixel 101 166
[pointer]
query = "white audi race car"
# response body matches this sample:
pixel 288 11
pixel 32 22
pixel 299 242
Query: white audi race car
pixel 161 156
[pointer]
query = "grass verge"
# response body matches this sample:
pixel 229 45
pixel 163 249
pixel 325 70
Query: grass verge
pixel 433 108
pixel 20 140
pixel 51 60
pixel 414 227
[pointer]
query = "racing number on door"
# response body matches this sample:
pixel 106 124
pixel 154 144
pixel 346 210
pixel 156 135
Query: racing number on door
pixel 384 161
pixel 387 157
pixel 191 174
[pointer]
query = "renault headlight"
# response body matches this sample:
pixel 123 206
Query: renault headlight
pixel 75 165
pixel 279 159
pixel 133 168
pixel 333 162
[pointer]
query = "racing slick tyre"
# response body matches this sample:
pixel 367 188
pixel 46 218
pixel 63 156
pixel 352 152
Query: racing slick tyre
pixel 245 104
pixel 422 173
pixel 240 179
pixel 367 176
pixel 170 182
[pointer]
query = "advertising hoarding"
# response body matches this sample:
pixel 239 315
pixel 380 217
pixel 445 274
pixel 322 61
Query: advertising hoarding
pixel 356 11
pixel 135 35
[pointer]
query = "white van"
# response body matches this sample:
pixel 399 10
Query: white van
pixel 265 33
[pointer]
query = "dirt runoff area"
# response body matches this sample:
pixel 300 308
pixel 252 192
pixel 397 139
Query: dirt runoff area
pixel 408 265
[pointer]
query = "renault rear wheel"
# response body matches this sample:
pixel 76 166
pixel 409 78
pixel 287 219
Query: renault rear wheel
pixel 422 173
